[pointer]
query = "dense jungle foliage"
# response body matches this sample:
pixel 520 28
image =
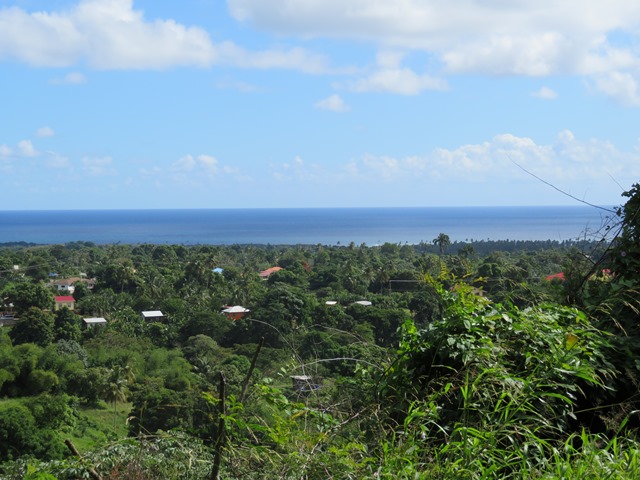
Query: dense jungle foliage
pixel 443 360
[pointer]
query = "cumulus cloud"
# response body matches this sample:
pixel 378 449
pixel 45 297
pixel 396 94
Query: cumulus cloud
pixel 492 37
pixel 106 33
pixel 184 164
pixel 45 132
pixel 547 37
pixel 333 103
pixel 504 160
pixel 111 34
pixel 202 164
pixel 622 87
pixel 391 77
pixel 208 164
pixel 192 171
pixel 26 149
pixel 566 159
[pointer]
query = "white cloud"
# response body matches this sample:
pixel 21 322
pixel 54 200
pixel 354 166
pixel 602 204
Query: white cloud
pixel 208 164
pixel 383 167
pixel 545 93
pixel 184 164
pixel 389 59
pixel 494 37
pixel 111 34
pixel 108 34
pixel 53 160
pixel 98 166
pixel 189 171
pixel 40 38
pixel 622 87
pixel 299 171
pixel 195 168
pixel 45 132
pixel 295 58
pixel 476 36
pixel 333 103
pixel 541 54
pixel 403 81
pixel 568 163
pixel 568 159
pixel 389 76
pixel 5 151
pixel 26 149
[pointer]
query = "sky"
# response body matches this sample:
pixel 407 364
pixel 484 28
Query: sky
pixel 122 104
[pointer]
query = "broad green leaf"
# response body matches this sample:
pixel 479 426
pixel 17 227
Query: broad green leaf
pixel 571 341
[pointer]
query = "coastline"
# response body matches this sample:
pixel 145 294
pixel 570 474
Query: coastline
pixel 330 226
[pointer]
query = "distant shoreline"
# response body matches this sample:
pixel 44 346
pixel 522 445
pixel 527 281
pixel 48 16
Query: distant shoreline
pixel 295 226
pixel 204 209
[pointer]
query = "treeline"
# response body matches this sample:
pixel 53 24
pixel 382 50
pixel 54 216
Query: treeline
pixel 485 247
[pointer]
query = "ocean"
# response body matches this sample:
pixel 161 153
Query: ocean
pixel 292 226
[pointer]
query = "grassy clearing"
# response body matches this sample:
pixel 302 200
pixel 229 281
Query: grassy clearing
pixel 94 426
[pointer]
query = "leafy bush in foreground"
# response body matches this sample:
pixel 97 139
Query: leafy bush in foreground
pixel 493 385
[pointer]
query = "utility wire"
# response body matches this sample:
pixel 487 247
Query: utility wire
pixel 29 267
pixel 556 188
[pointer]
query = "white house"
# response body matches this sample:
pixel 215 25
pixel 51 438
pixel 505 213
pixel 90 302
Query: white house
pixel 92 322
pixel 152 315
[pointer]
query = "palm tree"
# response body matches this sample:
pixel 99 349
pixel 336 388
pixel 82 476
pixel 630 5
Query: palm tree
pixel 117 387
pixel 382 276
pixel 442 241
pixel 466 251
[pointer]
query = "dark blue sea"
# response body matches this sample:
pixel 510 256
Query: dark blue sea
pixel 327 226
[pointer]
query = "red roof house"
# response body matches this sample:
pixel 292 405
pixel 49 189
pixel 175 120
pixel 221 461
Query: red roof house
pixel 266 273
pixel 65 301
pixel 556 276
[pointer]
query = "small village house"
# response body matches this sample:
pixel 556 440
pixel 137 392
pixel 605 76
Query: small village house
pixel 67 285
pixel 235 313
pixel 94 322
pixel 267 273
pixel 152 315
pixel 556 277
pixel 65 301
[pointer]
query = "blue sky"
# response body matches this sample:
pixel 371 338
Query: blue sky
pixel 317 103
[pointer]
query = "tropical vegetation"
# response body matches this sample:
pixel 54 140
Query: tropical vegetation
pixel 473 359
